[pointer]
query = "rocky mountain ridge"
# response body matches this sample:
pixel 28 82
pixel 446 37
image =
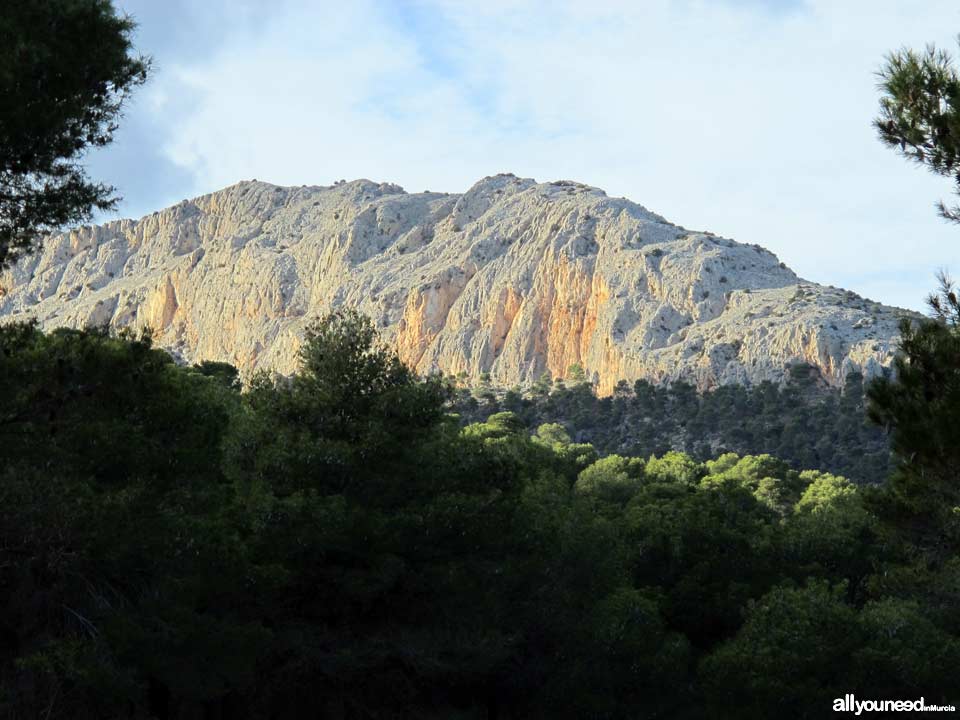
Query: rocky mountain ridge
pixel 513 278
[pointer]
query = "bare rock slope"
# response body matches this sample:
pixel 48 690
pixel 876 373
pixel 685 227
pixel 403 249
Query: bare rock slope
pixel 513 277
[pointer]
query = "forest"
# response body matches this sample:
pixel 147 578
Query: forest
pixel 804 422
pixel 340 544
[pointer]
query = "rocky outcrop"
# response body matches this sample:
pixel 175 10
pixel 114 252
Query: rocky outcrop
pixel 513 278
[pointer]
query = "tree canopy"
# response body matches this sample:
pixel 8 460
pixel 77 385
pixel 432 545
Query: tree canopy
pixel 66 69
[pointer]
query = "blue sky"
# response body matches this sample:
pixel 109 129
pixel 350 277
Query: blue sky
pixel 749 118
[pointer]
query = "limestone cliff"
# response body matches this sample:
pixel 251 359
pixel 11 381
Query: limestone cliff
pixel 513 278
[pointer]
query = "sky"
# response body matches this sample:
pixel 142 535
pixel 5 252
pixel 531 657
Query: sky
pixel 747 118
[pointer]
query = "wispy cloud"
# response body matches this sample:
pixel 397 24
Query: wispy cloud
pixel 750 118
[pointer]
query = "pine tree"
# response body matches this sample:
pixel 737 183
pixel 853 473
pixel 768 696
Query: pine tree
pixel 66 70
pixel 920 113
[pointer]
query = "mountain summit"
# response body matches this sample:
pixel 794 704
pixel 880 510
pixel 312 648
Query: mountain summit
pixel 513 278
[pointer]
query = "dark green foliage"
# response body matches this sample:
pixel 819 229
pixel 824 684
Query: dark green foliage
pixel 805 426
pixel 114 549
pixel 829 532
pixel 66 68
pixel 799 646
pixel 921 408
pixel 224 373
pixel 789 658
pixel 920 112
pixel 337 545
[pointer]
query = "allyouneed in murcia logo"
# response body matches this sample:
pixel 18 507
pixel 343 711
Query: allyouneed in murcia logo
pixel 849 703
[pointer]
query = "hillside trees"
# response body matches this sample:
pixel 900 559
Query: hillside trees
pixel 66 69
pixel 809 428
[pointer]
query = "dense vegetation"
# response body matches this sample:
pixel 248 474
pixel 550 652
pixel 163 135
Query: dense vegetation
pixel 804 423
pixel 337 545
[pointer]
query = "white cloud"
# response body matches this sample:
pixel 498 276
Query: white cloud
pixel 741 118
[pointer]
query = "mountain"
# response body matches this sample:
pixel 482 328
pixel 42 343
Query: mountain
pixel 513 278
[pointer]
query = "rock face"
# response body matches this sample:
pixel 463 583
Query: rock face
pixel 513 278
